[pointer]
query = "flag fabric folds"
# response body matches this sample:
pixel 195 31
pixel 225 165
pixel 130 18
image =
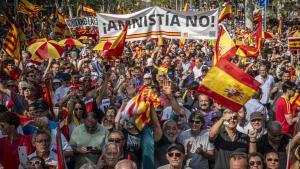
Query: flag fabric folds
pixel 85 10
pixel 11 44
pixel 60 27
pixel 225 46
pixel 279 28
pixel 294 43
pixel 117 47
pixel 226 12
pixel 186 7
pixel 268 35
pixel 252 51
pixel 28 8
pixel 138 108
pixel 229 85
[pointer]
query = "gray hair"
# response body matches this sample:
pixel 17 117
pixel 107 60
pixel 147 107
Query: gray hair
pixel 125 164
pixel 106 146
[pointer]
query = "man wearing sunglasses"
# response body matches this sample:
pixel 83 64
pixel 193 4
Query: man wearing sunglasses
pixel 227 139
pixel 175 156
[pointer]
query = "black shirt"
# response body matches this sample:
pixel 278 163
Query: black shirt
pixel 264 147
pixel 224 147
pixel 160 151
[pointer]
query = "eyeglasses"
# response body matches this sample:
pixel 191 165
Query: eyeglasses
pixel 195 121
pixel 11 86
pixel 273 159
pixel 174 154
pixel 234 117
pixel 252 163
pixel 36 162
pixel 42 141
pixel 115 140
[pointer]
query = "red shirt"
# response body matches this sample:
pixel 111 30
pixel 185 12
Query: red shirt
pixel 282 108
pixel 9 156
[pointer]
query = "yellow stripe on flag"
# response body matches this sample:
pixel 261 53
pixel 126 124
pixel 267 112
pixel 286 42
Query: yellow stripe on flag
pixel 228 83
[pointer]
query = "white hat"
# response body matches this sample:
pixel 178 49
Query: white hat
pixel 147 76
pixel 149 62
pixel 56 81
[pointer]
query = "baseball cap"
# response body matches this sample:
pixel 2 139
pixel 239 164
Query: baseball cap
pixel 56 81
pixel 238 152
pixel 177 146
pixel 256 115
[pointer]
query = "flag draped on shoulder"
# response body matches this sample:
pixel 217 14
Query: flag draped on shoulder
pixel 29 8
pixel 138 108
pixel 225 47
pixel 117 47
pixel 226 12
pixel 229 85
pixel 253 51
pixel 11 43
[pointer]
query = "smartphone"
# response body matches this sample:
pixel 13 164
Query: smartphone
pixel 22 155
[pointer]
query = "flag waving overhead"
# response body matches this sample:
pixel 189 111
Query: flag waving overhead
pixel 252 51
pixel 226 12
pixel 229 85
pixel 225 46
pixel 28 8
pixel 138 108
pixel 11 44
pixel 117 47
pixel 186 7
pixel 84 10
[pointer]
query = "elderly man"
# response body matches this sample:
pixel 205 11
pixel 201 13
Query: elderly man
pixel 175 156
pixel 170 132
pixel 87 140
pixel 109 157
pixel 227 139
pixel 125 164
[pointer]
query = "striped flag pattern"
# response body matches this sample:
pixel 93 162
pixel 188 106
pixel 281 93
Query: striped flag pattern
pixel 28 8
pixel 85 10
pixel 11 43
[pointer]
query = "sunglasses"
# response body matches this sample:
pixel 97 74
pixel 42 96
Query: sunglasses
pixel 115 140
pixel 195 121
pixel 174 154
pixel 273 159
pixel 36 162
pixel 11 86
pixel 252 163
pixel 78 108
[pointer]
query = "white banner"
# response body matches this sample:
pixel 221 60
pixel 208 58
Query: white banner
pixel 154 22
pixel 81 22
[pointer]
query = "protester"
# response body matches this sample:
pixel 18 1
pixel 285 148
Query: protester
pixel 175 156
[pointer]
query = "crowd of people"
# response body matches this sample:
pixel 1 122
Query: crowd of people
pixel 79 99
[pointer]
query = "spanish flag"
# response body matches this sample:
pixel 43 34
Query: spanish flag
pixel 229 85
pixel 11 44
pixel 186 7
pixel 226 12
pixel 268 35
pixel 138 108
pixel 28 8
pixel 294 43
pixel 117 47
pixel 85 10
pixel 252 51
pixel 225 46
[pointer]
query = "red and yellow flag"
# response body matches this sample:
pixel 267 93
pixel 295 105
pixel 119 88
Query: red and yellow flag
pixel 60 27
pixel 294 43
pixel 268 35
pixel 226 12
pixel 294 34
pixel 252 51
pixel 138 108
pixel 28 8
pixel 229 85
pixel 225 46
pixel 186 7
pixel 279 28
pixel 11 44
pixel 85 10
pixel 117 47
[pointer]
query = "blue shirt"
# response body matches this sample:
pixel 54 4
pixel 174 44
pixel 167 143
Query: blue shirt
pixel 30 129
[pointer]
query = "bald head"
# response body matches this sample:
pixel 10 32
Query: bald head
pixel 125 164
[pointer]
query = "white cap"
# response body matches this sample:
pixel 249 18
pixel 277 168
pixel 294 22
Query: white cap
pixel 147 76
pixel 149 62
pixel 56 81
